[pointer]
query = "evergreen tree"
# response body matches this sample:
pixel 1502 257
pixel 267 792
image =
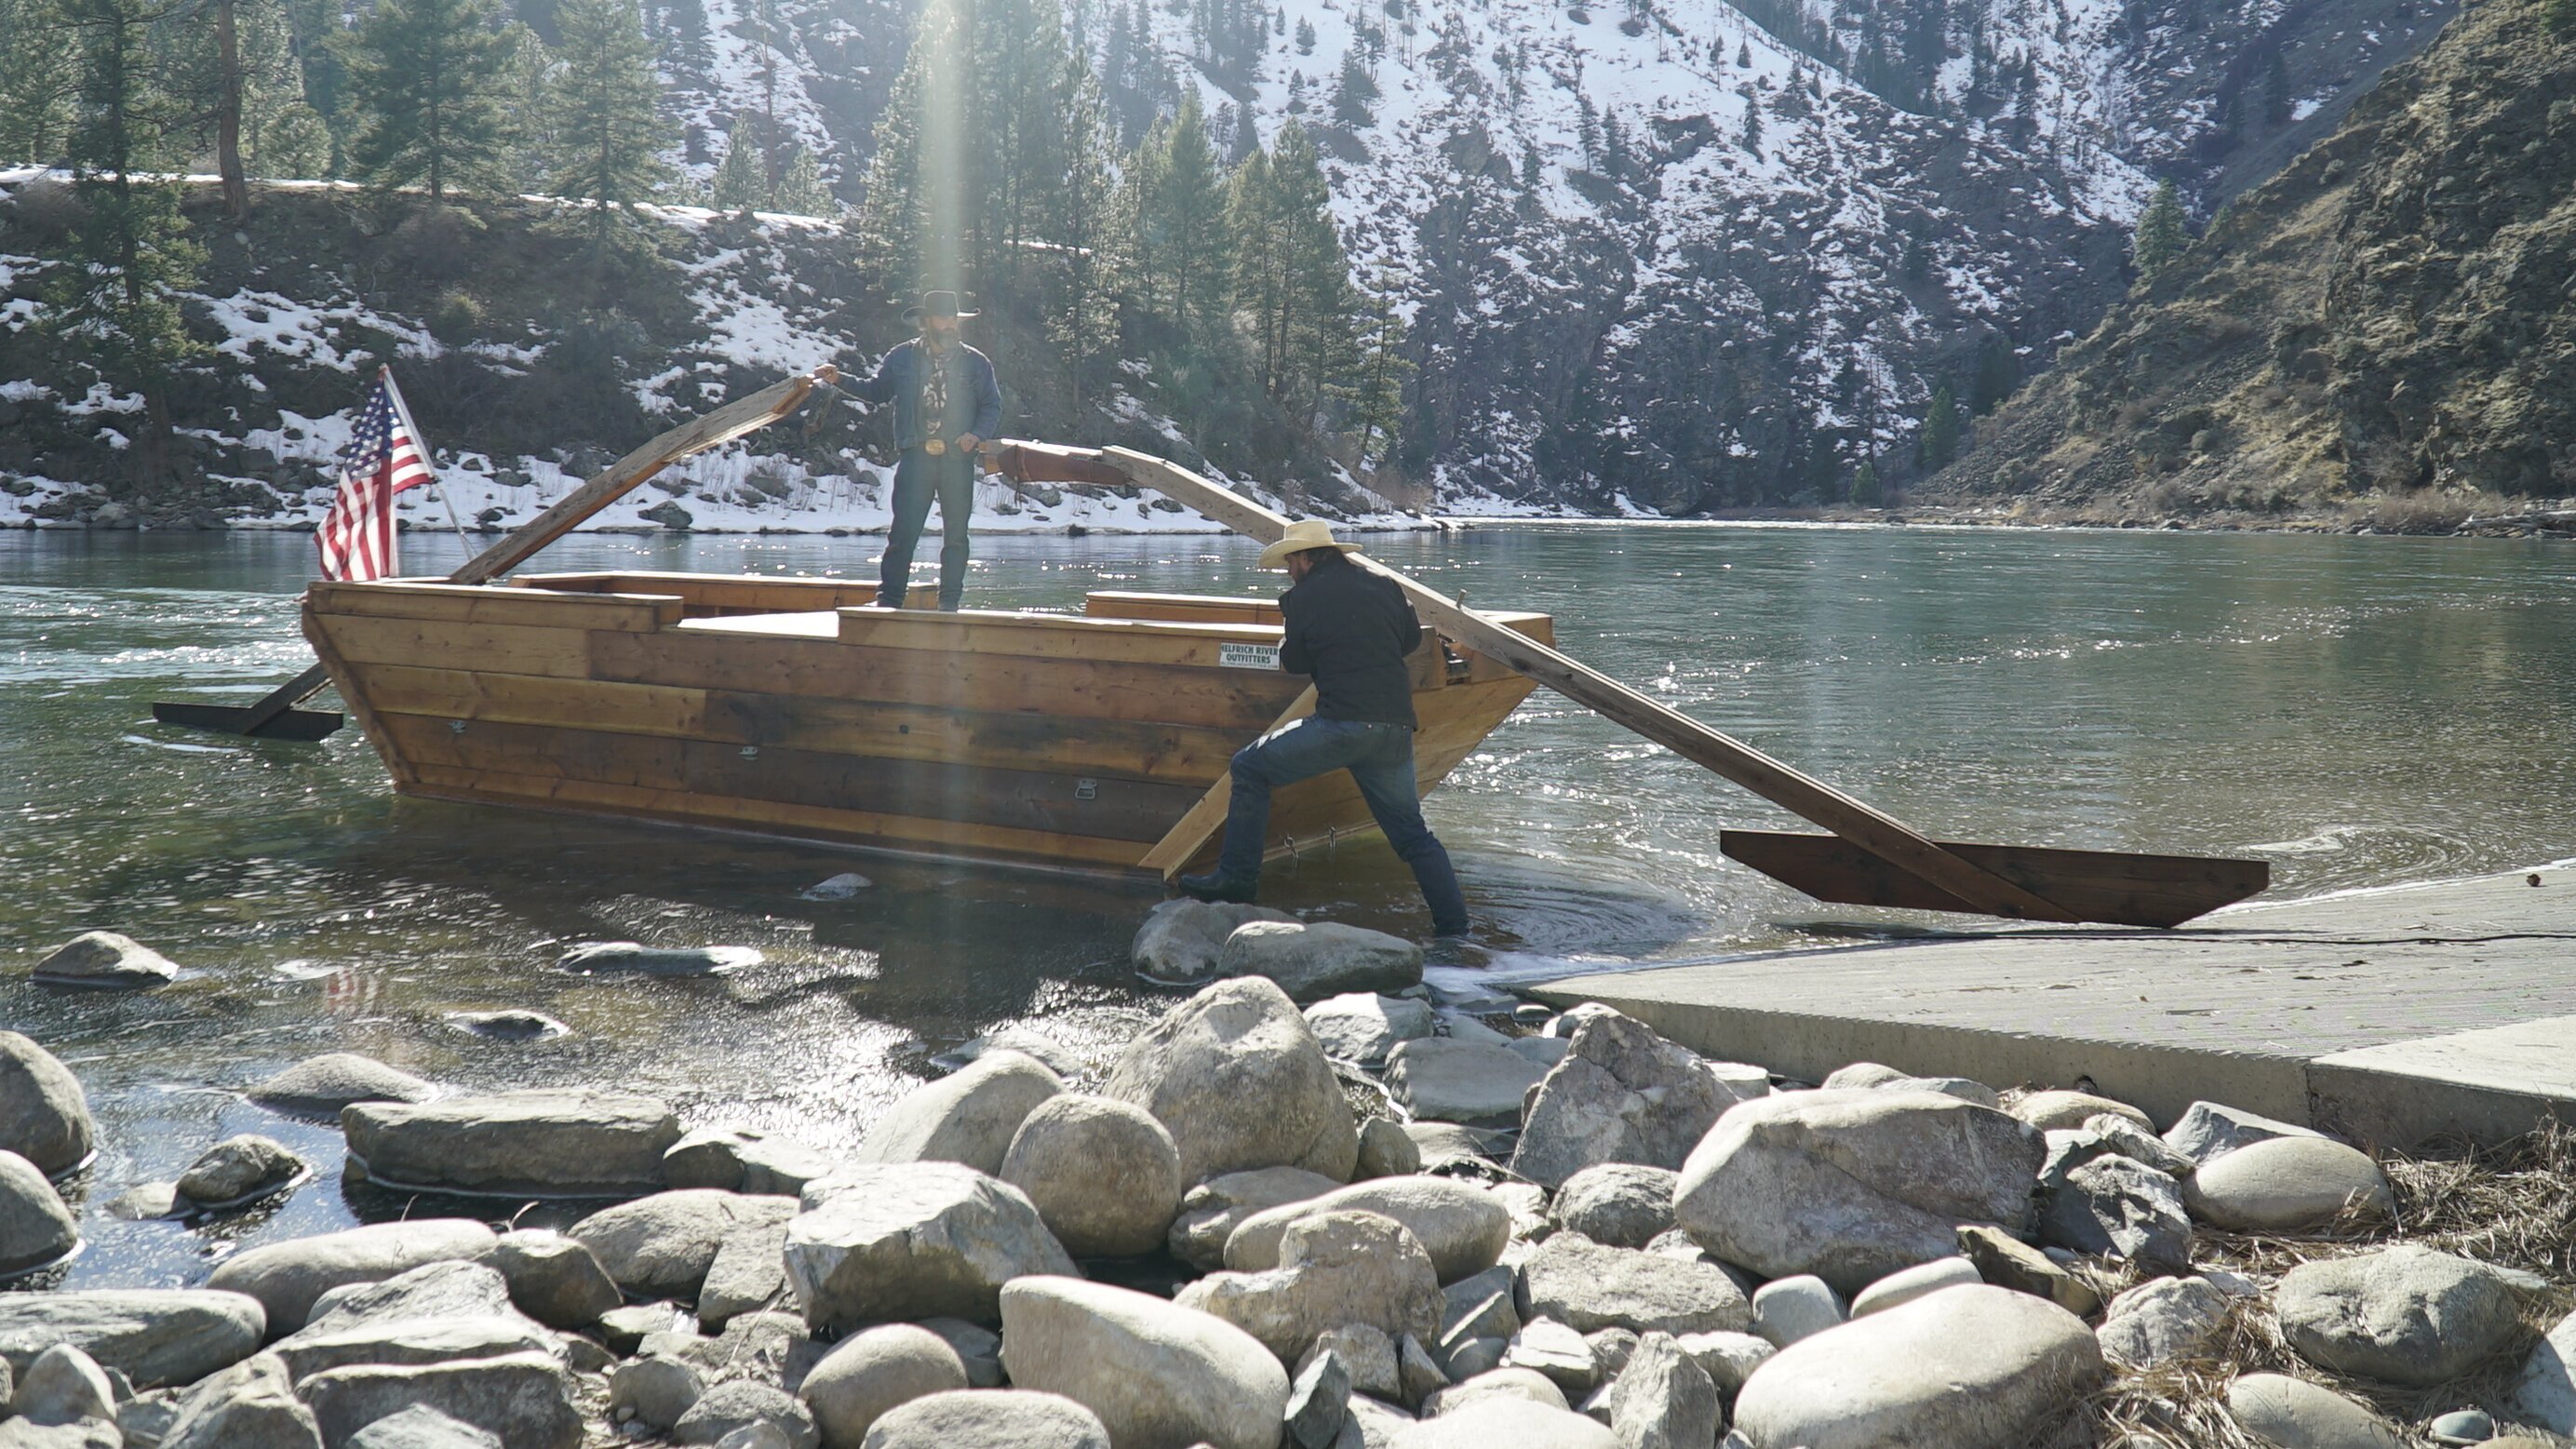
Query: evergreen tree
pixel 609 139
pixel 295 145
pixel 2277 100
pixel 531 123
pixel 1305 36
pixel 1752 138
pixel 742 182
pixel 1997 376
pixel 2160 237
pixel 1355 94
pixel 1864 489
pixel 1744 55
pixel 35 83
pixel 423 80
pixel 1376 393
pixel 1085 319
pixel 800 190
pixel 1940 430
pixel 1181 225
pixel 2560 16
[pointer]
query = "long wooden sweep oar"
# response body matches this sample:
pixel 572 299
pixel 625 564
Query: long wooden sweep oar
pixel 1870 859
pixel 275 716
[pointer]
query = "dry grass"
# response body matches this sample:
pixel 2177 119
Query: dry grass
pixel 2513 1206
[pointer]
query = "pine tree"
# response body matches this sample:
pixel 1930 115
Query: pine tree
pixel 609 143
pixel 1940 430
pixel 35 83
pixel 800 190
pixel 1189 224
pixel 1376 393
pixel 294 145
pixel 1355 93
pixel 2277 100
pixel 742 182
pixel 1864 489
pixel 2160 238
pixel 1744 55
pixel 1085 319
pixel 531 124
pixel 1997 376
pixel 423 78
pixel 1752 138
pixel 1305 36
pixel 2560 16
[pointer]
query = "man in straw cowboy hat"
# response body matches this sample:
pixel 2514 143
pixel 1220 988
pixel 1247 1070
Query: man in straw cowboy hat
pixel 946 403
pixel 1350 630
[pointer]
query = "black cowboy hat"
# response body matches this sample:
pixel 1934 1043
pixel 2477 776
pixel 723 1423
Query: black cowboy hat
pixel 936 304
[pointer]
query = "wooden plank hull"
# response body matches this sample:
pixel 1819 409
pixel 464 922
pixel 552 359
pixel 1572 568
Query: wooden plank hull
pixel 2092 885
pixel 784 707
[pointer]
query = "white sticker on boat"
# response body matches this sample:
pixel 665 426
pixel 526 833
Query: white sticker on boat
pixel 1248 656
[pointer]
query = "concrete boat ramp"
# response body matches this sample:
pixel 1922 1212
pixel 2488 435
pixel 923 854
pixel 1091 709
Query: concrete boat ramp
pixel 2387 1016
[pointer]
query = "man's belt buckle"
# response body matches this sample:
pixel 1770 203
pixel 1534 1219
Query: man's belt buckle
pixel 934 447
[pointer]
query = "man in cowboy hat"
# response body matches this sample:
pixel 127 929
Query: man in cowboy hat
pixel 946 402
pixel 1349 629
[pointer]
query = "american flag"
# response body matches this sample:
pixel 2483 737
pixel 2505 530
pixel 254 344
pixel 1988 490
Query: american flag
pixel 383 458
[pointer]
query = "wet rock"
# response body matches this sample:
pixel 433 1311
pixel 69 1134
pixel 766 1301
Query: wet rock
pixel 1965 1368
pixel 44 1117
pixel 287 1277
pixel 735 1159
pixel 239 1169
pixel 870 1373
pixel 1727 1358
pixel 1516 1386
pixel 1311 962
pixel 323 1085
pixel 1369 1359
pixel 145 1203
pixel 509 1023
pixel 1622 1094
pixel 747 1274
pixel 913 1240
pixel 2296 1415
pixel 1853 1185
pixel 1157 1374
pixel 1386 1150
pixel 546 1142
pixel 1211 1211
pixel 1663 1400
pixel 595 957
pixel 2058 1111
pixel 1560 1353
pixel 1334 1268
pixel 968 1118
pixel 1363 1027
pixel 1619 1204
pixel 2007 1262
pixel 2403 1315
pixel 2287 1184
pixel 2162 1320
pixel 1104 1175
pixel 2207 1131
pixel 525 1399
pixel 1588 1287
pixel 1461 1226
pixel 1180 941
pixel 153 1336
pixel 1911 1283
pixel 1492 1422
pixel 842 887
pixel 1240 1082
pixel 554 1279
pixel 35 1227
pixel 730 1408
pixel 655 1390
pixel 1319 1402
pixel 63 1385
pixel 1788 1310
pixel 990 1419
pixel 2114 1207
pixel 1057 1057
pixel 422 1427
pixel 1444 1080
pixel 251 1403
pixel 661 1246
pixel 105 960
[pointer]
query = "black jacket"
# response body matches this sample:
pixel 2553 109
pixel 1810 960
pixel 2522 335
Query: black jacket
pixel 1350 629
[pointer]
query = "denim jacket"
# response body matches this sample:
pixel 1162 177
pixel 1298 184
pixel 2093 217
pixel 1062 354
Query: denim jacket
pixel 974 397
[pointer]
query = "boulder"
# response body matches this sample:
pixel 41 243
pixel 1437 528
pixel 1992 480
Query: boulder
pixel 1239 1081
pixel 1334 1268
pixel 1564 1356
pixel 968 1118
pixel 1363 1027
pixel 1463 1227
pixel 1965 1368
pixel 1368 1423
pixel 422 1427
pixel 736 1406
pixel 1060 1059
pixel 63 1385
pixel 1180 941
pixel 1507 1385
pixel 1589 1287
pixel 1620 1204
pixel 656 1389
pixel 250 1404
pixel 1448 1146
pixel 87 1434
pixel 412 1341
pixel 35 1227
pixel 554 1279
pixel 2545 1393
pixel 2058 1111
pixel 2294 1414
pixel 2287 1184
pixel 1622 1093
pixel 2104 1135
pixel 869 1373
pixel 736 1159
pixel 1104 1175
pixel 1906 1285
pixel 1441 1079
pixel 2008 1262
pixel 1853 1185
pixel 977 1347
pixel 1417 1377
pixel 105 960
pixel 1159 1375
pixel 1386 1150
pixel 748 1273
pixel 321 1086
pixel 2403 1315
pixel 2117 1208
pixel 1497 1421
pixel 286 1277
pixel 1369 1358
pixel 1319 1402
pixel 1663 1400
pixel 913 1240
pixel 2207 1131
pixel 661 1246
pixel 451 1289
pixel 2162 1320
pixel 509 1023
pixel 152 1336
pixel 1727 1358
pixel 1788 1310
pixel 595 957
pixel 44 1117
pixel 989 1419
pixel 238 1170
pixel 526 1399
pixel 1311 962
pixel 1211 1211
pixel 550 1142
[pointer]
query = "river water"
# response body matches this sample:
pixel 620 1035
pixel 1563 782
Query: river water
pixel 2362 711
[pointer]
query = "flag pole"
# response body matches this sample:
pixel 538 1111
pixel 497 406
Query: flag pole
pixel 428 457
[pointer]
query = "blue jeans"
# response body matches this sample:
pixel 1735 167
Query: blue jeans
pixel 918 477
pixel 1380 759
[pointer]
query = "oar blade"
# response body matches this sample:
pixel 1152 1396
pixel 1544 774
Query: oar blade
pixel 306 725
pixel 2105 887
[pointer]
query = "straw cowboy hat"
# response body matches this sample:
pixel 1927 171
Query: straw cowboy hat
pixel 1302 535
pixel 936 304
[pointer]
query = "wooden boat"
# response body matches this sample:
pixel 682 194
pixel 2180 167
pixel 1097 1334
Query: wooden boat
pixel 792 708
